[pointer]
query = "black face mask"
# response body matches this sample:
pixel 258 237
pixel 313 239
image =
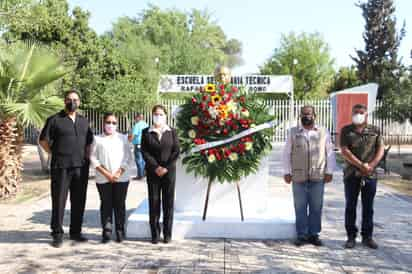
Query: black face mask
pixel 307 121
pixel 71 106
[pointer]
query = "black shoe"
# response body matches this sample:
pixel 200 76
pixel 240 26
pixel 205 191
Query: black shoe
pixel 78 238
pixel 155 240
pixel 350 243
pixel 57 241
pixel 106 237
pixel 369 242
pixel 300 241
pixel 167 239
pixel 315 241
pixel 120 236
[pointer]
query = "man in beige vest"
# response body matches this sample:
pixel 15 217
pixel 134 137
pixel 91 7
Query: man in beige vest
pixel 309 161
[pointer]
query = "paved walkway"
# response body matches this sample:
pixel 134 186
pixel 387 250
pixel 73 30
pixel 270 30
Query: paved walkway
pixel 24 242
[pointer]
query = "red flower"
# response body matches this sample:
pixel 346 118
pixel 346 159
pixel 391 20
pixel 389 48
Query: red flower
pixel 233 148
pixel 222 93
pixel 194 112
pixel 225 131
pixel 222 87
pixel 202 106
pixel 242 147
pixel 194 101
pixel 234 89
pixel 218 156
pixel 210 104
pixel 204 97
pixel 242 99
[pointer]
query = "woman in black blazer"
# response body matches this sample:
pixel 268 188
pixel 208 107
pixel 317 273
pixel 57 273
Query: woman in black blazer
pixel 160 148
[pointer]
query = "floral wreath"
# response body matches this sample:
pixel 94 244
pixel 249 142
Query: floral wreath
pixel 217 113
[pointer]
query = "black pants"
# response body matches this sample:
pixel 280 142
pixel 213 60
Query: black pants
pixel 62 180
pixel 353 187
pixel 113 199
pixel 161 191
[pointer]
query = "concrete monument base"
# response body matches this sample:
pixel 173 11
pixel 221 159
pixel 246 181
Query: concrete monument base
pixel 265 216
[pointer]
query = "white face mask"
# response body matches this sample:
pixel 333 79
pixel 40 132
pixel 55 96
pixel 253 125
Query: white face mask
pixel 110 129
pixel 358 118
pixel 159 120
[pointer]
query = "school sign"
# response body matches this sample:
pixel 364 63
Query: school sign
pixel 252 83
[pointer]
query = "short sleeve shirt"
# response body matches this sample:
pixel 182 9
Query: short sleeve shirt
pixel 363 145
pixel 67 139
pixel 137 132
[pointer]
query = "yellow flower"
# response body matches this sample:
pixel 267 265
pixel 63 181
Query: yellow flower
pixel 192 134
pixel 211 158
pixel 195 120
pixel 233 157
pixel 253 125
pixel 210 88
pixel 216 98
pixel 248 145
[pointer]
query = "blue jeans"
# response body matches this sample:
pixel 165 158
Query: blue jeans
pixel 353 186
pixel 308 201
pixel 138 157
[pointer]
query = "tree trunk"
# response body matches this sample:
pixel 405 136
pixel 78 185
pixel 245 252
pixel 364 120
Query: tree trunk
pixel 11 164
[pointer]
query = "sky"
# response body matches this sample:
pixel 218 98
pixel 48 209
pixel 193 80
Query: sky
pixel 258 24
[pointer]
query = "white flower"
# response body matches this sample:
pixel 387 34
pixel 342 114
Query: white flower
pixel 233 157
pixel 213 112
pixel 211 158
pixel 253 125
pixel 195 120
pixel 192 134
pixel 231 106
pixel 244 113
pixel 248 145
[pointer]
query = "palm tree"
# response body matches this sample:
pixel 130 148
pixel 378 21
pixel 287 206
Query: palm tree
pixel 27 97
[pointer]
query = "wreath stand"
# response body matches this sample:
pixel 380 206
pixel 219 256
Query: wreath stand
pixel 209 186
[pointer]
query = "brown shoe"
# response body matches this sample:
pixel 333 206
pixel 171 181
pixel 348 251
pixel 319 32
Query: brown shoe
pixel 369 242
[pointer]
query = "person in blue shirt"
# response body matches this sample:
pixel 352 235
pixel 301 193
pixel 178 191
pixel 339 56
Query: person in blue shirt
pixel 135 137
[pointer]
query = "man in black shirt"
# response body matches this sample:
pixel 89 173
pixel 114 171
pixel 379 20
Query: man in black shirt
pixel 67 136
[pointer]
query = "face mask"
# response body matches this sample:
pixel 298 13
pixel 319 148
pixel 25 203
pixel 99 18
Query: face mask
pixel 159 120
pixel 358 118
pixel 110 129
pixel 306 121
pixel 71 106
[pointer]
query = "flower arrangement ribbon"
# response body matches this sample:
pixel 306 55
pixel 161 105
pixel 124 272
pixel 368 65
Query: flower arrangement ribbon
pixel 235 137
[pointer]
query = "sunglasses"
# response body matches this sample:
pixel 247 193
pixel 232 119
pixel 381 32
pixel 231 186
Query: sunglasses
pixel 111 122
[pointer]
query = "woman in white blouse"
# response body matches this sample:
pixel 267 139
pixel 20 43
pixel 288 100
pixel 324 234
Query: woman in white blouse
pixel 111 156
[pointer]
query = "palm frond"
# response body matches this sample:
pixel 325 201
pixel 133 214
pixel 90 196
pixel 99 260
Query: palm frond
pixel 33 112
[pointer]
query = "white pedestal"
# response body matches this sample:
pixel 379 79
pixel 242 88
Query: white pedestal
pixel 264 217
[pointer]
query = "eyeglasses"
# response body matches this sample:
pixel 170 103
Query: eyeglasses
pixel 111 122
pixel 359 112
